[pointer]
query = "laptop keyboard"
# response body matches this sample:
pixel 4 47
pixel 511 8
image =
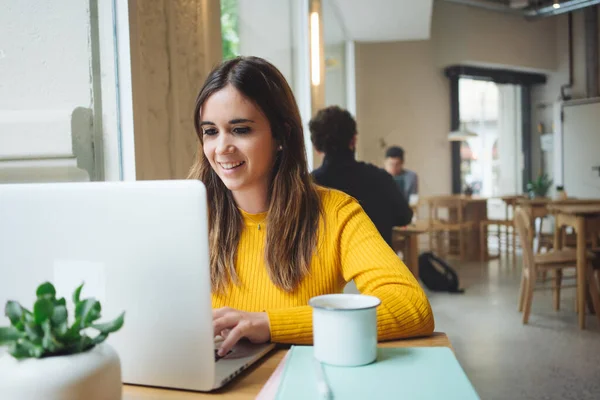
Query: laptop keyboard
pixel 218 357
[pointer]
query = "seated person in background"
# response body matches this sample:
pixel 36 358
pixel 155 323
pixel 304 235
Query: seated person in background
pixel 276 239
pixel 333 132
pixel 407 180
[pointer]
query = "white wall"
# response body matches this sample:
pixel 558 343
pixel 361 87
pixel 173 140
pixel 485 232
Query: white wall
pixel 265 31
pixel 335 75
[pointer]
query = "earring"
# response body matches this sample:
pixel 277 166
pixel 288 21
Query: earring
pixel 280 148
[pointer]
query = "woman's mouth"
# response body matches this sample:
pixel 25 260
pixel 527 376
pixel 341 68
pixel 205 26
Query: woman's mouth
pixel 231 165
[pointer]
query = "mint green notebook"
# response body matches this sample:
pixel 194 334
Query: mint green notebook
pixel 424 373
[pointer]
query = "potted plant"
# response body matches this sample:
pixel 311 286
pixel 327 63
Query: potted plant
pixel 468 191
pixel 49 359
pixel 539 187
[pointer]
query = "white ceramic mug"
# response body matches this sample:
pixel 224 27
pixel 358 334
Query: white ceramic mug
pixel 345 329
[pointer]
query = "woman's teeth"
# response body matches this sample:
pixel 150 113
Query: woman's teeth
pixel 231 165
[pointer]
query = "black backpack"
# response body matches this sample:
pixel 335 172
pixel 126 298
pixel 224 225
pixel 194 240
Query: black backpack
pixel 437 275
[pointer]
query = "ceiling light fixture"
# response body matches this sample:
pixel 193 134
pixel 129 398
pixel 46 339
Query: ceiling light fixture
pixel 461 134
pixel 556 5
pixel 315 50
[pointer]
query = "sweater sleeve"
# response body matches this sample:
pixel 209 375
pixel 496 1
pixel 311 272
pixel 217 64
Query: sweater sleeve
pixel 377 271
pixel 364 256
pixel 291 325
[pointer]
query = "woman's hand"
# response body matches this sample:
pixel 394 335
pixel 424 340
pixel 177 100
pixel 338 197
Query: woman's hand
pixel 234 325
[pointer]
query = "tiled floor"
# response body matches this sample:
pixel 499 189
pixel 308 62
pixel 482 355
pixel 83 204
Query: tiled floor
pixel 550 358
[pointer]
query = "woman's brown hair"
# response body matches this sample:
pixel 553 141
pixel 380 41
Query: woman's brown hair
pixel 294 205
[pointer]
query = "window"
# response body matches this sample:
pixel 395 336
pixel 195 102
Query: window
pixel 229 29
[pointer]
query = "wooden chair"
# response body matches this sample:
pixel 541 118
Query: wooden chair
pixel 441 227
pixel 506 239
pixel 556 260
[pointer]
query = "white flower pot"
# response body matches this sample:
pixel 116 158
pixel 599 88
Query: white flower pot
pixel 93 375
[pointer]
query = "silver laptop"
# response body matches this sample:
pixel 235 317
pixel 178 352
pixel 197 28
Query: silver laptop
pixel 140 247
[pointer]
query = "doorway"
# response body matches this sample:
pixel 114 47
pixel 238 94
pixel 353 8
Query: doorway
pixel 491 162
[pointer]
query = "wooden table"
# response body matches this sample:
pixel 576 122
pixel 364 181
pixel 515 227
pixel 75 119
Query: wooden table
pixel 476 211
pixel 540 208
pixel 249 384
pixel 406 240
pixel 585 220
pixel 511 203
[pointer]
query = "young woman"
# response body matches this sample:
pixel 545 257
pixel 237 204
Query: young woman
pixel 276 239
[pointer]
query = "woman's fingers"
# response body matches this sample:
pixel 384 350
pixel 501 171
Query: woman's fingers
pixel 233 325
pixel 234 336
pixel 225 322
pixel 219 312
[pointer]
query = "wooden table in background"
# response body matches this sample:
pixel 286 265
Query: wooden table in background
pixel 511 203
pixel 406 240
pixel 249 383
pixel 585 220
pixel 540 208
pixel 476 211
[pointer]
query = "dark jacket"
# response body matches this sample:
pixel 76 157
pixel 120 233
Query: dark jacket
pixel 373 187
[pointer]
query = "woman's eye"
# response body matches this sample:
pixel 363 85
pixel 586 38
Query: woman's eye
pixel 210 132
pixel 241 130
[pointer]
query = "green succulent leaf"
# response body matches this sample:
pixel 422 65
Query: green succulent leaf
pixel 35 350
pixel 42 310
pixel 60 315
pixel 28 317
pixel 20 326
pixel 61 330
pixel 49 342
pixel 60 302
pixel 34 332
pixel 13 311
pixel 46 290
pixel 99 339
pixel 18 351
pixel 85 343
pixel 88 311
pixel 77 294
pixel 72 334
pixel 94 314
pixel 9 335
pixel 112 326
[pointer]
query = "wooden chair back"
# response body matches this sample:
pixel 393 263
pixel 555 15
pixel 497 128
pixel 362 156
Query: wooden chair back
pixel 452 205
pixel 522 222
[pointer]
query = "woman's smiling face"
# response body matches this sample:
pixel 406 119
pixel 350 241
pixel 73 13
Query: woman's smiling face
pixel 238 142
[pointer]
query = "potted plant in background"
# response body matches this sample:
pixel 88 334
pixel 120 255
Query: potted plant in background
pixel 539 187
pixel 468 191
pixel 48 359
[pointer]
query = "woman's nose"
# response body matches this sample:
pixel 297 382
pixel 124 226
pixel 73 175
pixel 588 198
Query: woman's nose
pixel 224 145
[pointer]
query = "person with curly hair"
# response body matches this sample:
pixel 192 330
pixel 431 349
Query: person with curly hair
pixel 333 132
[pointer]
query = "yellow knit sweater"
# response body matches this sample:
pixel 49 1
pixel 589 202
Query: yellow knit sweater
pixel 350 248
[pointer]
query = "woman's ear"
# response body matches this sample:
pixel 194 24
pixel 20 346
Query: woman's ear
pixel 353 143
